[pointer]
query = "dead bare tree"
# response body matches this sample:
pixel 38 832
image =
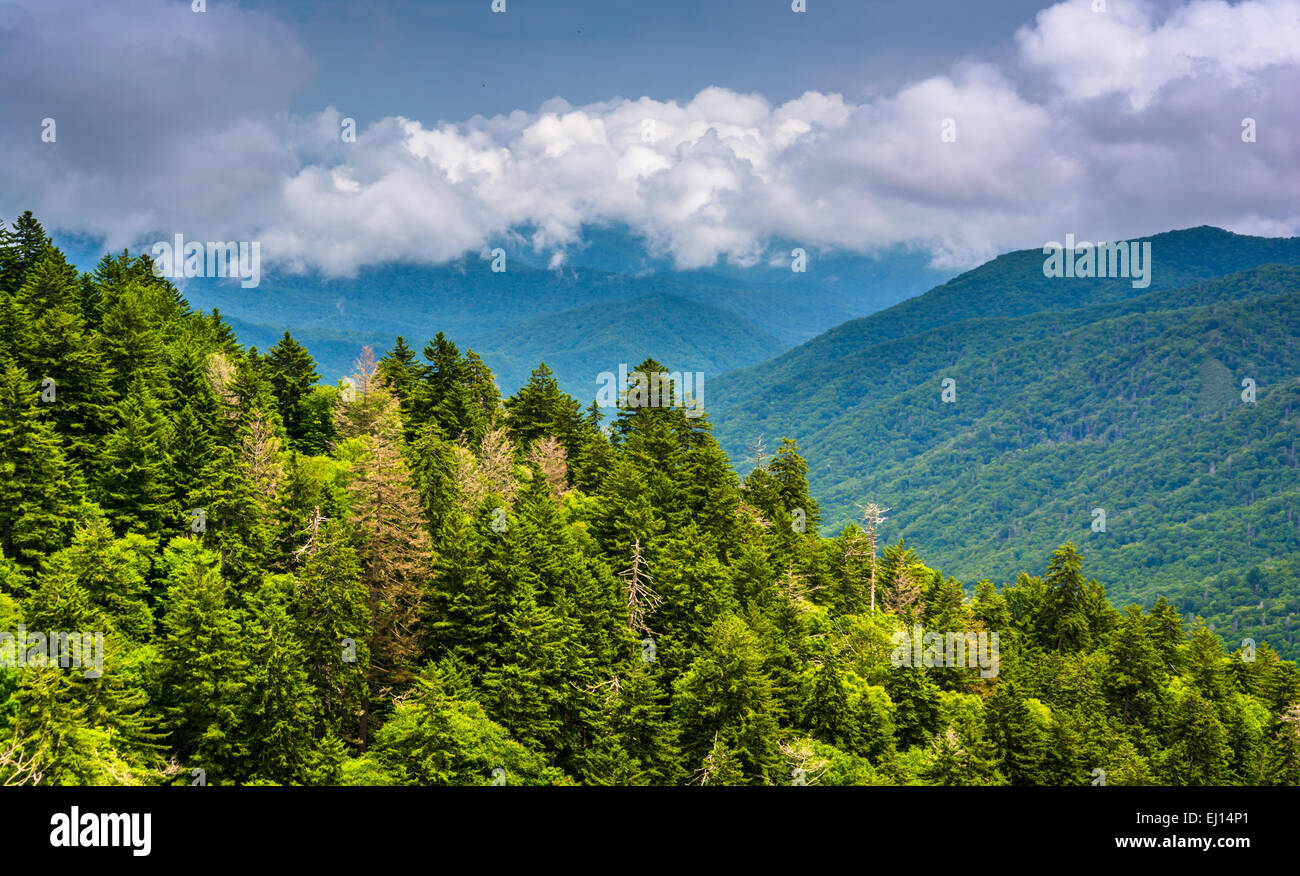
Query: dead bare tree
pixel 713 763
pixel 613 688
pixel 551 459
pixel 872 517
pixel 803 768
pixel 905 593
pixel 260 451
pixel 17 769
pixel 756 452
pixel 312 531
pixel 642 601
pixel 221 373
pixel 496 463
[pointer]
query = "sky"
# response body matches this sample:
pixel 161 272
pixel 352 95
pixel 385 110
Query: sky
pixel 708 127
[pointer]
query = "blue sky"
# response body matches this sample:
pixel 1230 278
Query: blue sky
pixel 451 60
pixel 709 129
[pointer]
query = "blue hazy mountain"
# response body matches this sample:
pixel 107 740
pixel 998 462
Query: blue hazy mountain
pixel 611 287
pixel 692 336
pixel 1171 410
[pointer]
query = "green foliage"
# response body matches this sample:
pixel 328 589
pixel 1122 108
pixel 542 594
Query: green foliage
pixel 1072 395
pixel 409 581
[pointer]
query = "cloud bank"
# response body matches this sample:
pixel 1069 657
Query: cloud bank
pixel 1104 124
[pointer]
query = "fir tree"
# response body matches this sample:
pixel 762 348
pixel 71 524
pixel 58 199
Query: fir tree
pixel 726 697
pixel 39 490
pixel 135 483
pixel 291 372
pixel 208 673
pixel 332 620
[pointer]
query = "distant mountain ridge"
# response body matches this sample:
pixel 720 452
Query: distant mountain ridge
pixel 753 312
pixel 696 336
pixel 1070 395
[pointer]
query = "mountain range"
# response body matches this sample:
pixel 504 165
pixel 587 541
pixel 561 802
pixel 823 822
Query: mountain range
pixel 1079 410
pixel 608 302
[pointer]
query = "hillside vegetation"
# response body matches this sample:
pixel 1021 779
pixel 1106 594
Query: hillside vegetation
pixel 718 319
pixel 410 580
pixel 1070 396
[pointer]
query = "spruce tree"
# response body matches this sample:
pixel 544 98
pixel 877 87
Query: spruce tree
pixel 291 372
pixel 208 678
pixel 725 697
pixel 135 481
pixel 40 492
pixel 332 620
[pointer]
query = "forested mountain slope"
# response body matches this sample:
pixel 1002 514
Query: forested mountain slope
pixel 413 581
pixel 495 313
pixel 580 344
pixel 1133 406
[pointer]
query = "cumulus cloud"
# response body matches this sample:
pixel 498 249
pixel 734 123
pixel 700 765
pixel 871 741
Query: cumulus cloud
pixel 1108 124
pixel 1126 49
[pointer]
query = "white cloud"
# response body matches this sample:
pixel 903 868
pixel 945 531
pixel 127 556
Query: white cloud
pixel 1112 124
pixel 1128 50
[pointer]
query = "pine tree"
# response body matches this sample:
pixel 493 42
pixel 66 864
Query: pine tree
pixel 540 410
pixel 726 697
pixel 332 616
pixel 1065 622
pixel 208 674
pixel 535 682
pixel 194 422
pixel 456 392
pixel 401 373
pixel 962 758
pixel 235 517
pixel 1206 665
pixel 827 713
pixel 638 746
pixel 1167 625
pixel 113 575
pixel 434 739
pixel 135 484
pixel 1136 675
pixel 291 372
pixel 392 543
pixel 134 333
pixel 77 731
pixel 60 349
pixel 790 471
pixel 871 729
pixel 281 695
pixel 1283 765
pixel 20 250
pixel 39 491
pixel 1196 751
pixel 1020 734
pixel 916 700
